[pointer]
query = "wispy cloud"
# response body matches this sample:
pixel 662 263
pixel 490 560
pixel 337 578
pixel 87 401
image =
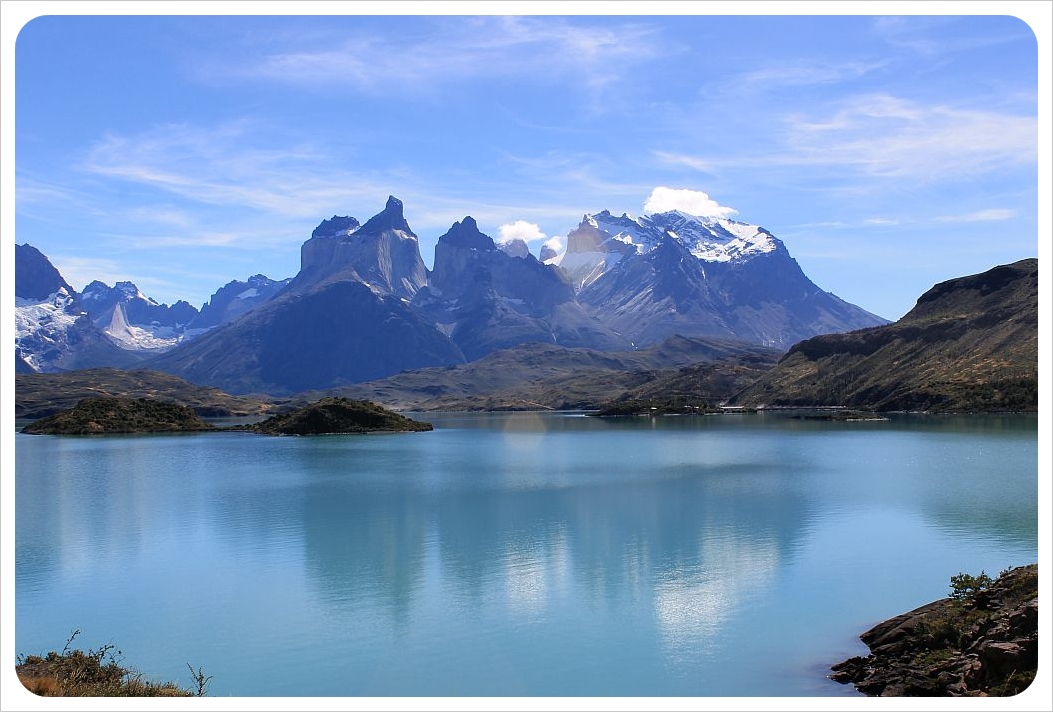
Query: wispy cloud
pixel 932 36
pixel 79 270
pixel 221 167
pixel 883 136
pixel 457 49
pixel 990 215
pixel 801 73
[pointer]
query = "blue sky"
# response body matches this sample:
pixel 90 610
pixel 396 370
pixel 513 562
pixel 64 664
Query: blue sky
pixel 180 152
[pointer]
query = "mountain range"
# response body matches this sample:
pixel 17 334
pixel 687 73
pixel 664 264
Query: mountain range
pixel 364 306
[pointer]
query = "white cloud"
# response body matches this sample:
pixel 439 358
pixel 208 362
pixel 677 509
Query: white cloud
pixel 519 230
pixel 693 202
pixel 992 215
pixel 555 244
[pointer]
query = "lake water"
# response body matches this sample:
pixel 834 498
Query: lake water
pixel 514 554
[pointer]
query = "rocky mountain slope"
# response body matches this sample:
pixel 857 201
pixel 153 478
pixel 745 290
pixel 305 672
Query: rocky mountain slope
pixel 655 275
pixel 970 344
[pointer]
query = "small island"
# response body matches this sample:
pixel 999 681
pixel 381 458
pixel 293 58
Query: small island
pixel 330 416
pixel 654 407
pixel 106 415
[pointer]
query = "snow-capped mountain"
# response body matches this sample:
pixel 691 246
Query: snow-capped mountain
pixel 58 329
pixel 602 240
pixel 135 321
pixel 649 277
pixel 53 331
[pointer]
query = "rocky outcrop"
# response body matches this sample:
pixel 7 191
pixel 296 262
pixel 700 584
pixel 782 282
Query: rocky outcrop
pixel 981 644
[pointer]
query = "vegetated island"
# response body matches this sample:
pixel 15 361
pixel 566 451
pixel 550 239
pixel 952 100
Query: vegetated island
pixel 101 416
pixel 980 641
pixel 104 415
pixel 339 415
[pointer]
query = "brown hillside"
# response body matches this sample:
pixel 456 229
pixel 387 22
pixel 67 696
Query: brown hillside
pixel 970 344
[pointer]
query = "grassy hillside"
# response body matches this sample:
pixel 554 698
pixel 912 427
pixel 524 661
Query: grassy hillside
pixel 970 344
pixel 40 394
pixel 546 376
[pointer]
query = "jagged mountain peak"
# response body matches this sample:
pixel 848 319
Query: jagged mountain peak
pixel 391 217
pixel 336 226
pixel 466 233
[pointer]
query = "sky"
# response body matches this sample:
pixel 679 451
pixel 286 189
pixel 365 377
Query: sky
pixel 888 152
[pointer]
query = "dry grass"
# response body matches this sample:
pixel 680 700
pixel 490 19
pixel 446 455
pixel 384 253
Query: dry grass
pixel 95 673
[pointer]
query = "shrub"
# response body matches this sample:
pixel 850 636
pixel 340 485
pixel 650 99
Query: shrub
pixel 964 586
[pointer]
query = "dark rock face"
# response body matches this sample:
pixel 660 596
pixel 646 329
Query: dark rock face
pixel 488 299
pixel 340 332
pixel 765 300
pixel 35 276
pixel 383 253
pixel 336 225
pixel 986 644
pixel 236 298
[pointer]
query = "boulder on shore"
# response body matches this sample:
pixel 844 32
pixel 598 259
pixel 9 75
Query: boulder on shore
pixel 981 644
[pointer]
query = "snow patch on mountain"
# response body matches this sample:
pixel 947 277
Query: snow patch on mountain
pixel 707 238
pixel 141 337
pixel 43 326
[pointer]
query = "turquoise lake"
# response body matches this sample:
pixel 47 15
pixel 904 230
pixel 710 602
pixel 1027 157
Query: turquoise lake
pixel 521 554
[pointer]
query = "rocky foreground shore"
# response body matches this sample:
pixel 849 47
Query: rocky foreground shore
pixel 980 641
